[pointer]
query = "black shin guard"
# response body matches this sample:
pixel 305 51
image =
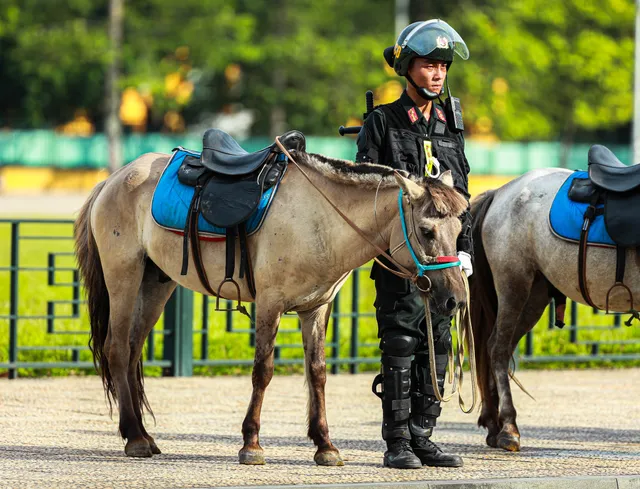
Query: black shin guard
pixel 425 407
pixel 396 397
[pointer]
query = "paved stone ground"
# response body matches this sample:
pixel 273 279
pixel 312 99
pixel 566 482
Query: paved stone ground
pixel 57 433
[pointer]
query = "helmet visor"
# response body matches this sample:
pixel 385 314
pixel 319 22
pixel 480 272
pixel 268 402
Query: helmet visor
pixel 435 34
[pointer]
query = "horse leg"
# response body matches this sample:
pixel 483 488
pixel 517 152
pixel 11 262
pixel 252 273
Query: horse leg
pixel 123 277
pixel 152 298
pixel 489 415
pixel 268 319
pixel 314 328
pixel 513 296
pixel 531 313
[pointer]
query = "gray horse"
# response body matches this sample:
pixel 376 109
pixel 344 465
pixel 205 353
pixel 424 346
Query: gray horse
pixel 517 257
pixel 301 256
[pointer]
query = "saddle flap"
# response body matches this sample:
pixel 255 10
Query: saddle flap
pixel 621 216
pixel 226 205
pixel 608 172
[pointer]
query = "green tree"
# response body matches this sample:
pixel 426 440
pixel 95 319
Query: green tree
pixel 539 72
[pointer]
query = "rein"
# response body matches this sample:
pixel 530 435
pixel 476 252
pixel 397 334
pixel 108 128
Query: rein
pixel 437 263
pixel 463 320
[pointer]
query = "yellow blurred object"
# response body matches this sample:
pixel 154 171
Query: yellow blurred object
pixel 79 126
pixel 482 183
pixel 184 92
pixel 173 121
pixel 388 92
pixel 389 70
pixel 499 106
pixel 353 121
pixel 482 130
pixel 500 86
pixel 232 73
pixel 182 53
pixel 133 109
pixel 171 83
pixel 35 180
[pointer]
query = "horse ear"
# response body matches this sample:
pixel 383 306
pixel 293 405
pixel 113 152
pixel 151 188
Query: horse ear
pixel 446 178
pixel 410 188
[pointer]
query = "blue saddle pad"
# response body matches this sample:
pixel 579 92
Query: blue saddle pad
pixel 567 217
pixel 171 200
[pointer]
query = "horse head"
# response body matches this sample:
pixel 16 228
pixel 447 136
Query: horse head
pixel 431 210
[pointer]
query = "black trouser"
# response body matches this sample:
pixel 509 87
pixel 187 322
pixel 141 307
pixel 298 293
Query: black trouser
pixel 408 400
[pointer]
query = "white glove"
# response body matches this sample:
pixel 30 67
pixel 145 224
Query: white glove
pixel 465 262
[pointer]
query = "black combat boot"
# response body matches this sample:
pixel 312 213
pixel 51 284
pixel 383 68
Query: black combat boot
pixel 425 409
pixel 396 401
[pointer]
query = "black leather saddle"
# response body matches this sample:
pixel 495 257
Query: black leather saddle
pixel 609 173
pixel 229 183
pixel 617 186
pixel 612 189
pixel 222 154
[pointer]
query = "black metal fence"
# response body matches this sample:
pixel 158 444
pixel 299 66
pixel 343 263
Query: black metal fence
pixel 43 323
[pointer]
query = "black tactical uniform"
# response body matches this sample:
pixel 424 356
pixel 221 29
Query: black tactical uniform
pixel 395 135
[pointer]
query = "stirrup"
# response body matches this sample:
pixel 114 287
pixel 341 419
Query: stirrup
pixel 239 307
pixel 634 313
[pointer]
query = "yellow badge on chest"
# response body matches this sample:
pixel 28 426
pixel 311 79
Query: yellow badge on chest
pixel 432 165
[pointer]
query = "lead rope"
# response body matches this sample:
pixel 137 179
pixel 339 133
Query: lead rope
pixel 464 335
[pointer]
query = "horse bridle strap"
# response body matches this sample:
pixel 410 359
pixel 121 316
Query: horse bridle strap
pixel 404 273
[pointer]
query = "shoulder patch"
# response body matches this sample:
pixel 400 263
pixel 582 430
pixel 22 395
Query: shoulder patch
pixel 440 113
pixel 413 117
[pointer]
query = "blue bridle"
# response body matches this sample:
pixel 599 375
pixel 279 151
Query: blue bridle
pixel 438 263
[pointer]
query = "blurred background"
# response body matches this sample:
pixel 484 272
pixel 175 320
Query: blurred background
pixel 88 85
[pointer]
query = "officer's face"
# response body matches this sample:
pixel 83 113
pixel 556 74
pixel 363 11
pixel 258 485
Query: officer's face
pixel 428 73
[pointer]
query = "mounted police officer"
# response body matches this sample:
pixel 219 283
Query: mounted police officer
pixel 417 134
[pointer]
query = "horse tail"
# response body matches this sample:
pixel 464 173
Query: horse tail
pixel 484 301
pixel 95 286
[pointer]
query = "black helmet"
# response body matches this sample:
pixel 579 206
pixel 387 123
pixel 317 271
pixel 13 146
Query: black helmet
pixel 434 39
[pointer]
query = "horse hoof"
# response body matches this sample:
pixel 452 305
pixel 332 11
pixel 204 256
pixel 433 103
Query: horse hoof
pixel 492 441
pixel 510 443
pixel 251 457
pixel 328 459
pixel 138 448
pixel 154 448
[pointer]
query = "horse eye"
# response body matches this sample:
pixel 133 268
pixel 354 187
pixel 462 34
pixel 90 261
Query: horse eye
pixel 428 233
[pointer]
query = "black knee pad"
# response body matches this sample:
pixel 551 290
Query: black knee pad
pixel 399 345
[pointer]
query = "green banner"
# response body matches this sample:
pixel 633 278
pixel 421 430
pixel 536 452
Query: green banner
pixel 50 149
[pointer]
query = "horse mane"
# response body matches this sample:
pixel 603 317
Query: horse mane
pixel 366 175
pixel 447 201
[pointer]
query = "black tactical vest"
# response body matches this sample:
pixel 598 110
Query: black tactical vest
pixel 403 147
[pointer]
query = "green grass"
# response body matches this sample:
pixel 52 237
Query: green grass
pixel 34 293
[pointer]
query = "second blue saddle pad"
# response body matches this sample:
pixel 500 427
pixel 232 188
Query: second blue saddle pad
pixel 567 217
pixel 171 199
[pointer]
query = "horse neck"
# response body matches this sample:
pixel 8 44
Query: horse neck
pixel 357 203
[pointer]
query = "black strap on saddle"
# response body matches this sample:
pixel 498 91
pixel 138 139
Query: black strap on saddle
pixel 228 188
pixel 616 214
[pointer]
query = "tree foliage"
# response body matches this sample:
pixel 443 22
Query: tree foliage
pixel 535 72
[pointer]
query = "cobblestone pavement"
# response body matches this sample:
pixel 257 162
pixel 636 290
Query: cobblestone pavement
pixel 57 433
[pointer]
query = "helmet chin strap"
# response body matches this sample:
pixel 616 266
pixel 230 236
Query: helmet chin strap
pixel 423 92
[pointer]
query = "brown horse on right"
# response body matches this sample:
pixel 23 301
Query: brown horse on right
pixel 517 258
